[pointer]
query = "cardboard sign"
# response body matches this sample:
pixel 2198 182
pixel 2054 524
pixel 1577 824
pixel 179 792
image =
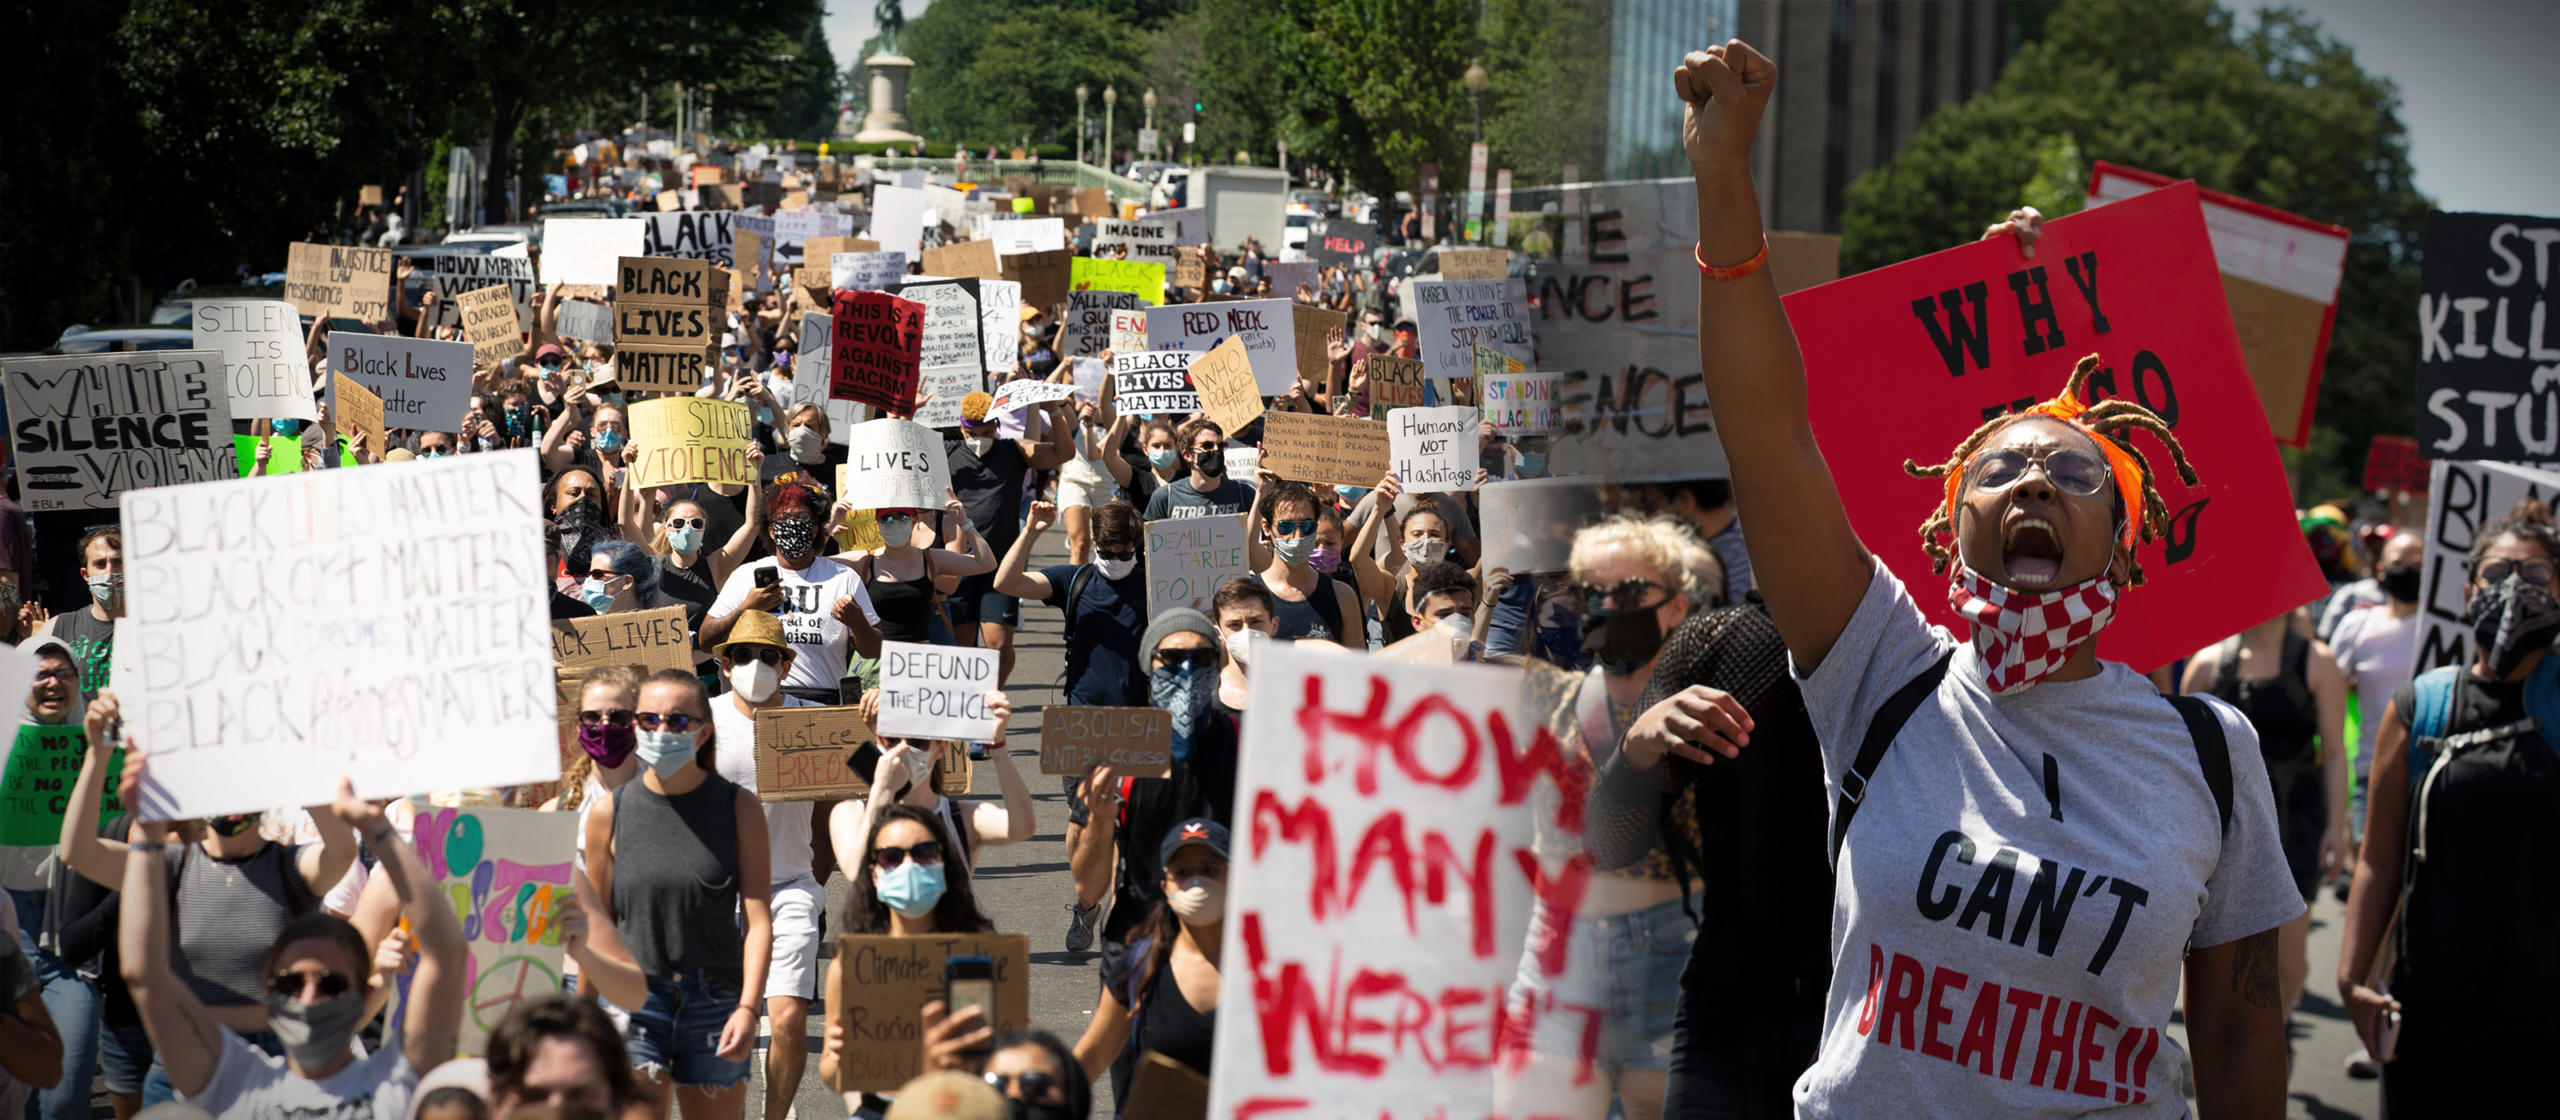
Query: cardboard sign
pixel 1224 379
pixel 877 344
pixel 2392 463
pixel 1434 449
pixel 894 464
pixel 2464 500
pixel 1520 404
pixel 1189 558
pixel 1153 382
pixel 508 871
pixel 586 321
pixel 2280 274
pixel 424 384
pixel 1475 264
pixel 359 409
pixel 1904 361
pixel 489 323
pixel 1334 242
pixel 338 281
pixel 1413 759
pixel 1134 742
pixel 2488 368
pixel 459 274
pixel 951 359
pixel 749 257
pixel 864 272
pixel 704 235
pixel 36 781
pixel 801 753
pixel 1089 318
pixel 1528 524
pixel 654 640
pixel 1453 317
pixel 1046 277
pixel 263 360
pixel 1266 330
pixel 1145 241
pixel 587 250
pixel 936 692
pixel 690 439
pixel 1143 279
pixel 87 428
pixel 663 369
pixel 1165 1089
pixel 966 259
pixel 1393 383
pixel 1015 394
pixel 1191 270
pixel 878 986
pixel 438 675
pixel 1334 449
pixel 1313 324
pixel 691 327
pixel 817 257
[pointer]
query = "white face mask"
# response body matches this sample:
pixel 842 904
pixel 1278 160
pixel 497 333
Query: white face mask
pixel 1242 643
pixel 1117 569
pixel 807 443
pixel 1425 550
pixel 1199 902
pixel 755 680
pixel 979 445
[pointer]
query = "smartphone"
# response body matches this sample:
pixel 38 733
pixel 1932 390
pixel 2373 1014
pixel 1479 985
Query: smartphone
pixel 2387 1043
pixel 969 980
pixel 768 577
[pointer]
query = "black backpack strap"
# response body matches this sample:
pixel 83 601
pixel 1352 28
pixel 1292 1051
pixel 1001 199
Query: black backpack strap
pixel 2213 751
pixel 1881 731
pixel 1075 591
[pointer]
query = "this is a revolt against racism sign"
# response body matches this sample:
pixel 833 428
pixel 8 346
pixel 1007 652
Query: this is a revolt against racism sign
pixel 2464 500
pixel 2488 354
pixel 877 343
pixel 86 428
pixel 1904 361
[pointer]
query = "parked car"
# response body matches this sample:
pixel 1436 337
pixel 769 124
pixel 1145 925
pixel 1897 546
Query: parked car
pixel 1296 235
pixel 80 339
pixel 1150 170
pixel 586 208
pixel 491 238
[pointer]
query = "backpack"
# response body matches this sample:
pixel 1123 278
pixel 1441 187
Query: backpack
pixel 1067 638
pixel 2213 751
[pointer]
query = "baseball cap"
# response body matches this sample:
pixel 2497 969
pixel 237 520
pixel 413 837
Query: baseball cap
pixel 1197 830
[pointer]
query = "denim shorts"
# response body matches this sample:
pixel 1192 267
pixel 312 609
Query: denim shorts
pixel 124 1056
pixel 1625 968
pixel 678 1030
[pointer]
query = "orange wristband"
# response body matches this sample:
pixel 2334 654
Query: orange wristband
pixel 1736 272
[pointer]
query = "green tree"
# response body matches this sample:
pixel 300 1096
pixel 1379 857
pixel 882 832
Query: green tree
pixel 1373 87
pixel 2275 112
pixel 1547 106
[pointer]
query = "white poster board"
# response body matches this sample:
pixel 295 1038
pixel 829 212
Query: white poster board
pixel 424 661
pixel 2464 499
pixel 1267 326
pixel 1189 557
pixel 514 866
pixel 897 219
pixel 263 360
pixel 1129 329
pixel 586 250
pixel 1028 235
pixel 1024 391
pixel 1434 449
pixel 586 321
pixel 1153 382
pixel 953 362
pixel 86 428
pixel 1145 241
pixel 1000 325
pixel 1520 404
pixel 424 383
pixel 458 274
pixel 894 464
pixel 1639 401
pixel 865 272
pixel 1453 317
pixel 936 692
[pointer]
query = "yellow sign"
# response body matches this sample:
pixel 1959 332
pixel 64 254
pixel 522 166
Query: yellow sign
pixel 689 439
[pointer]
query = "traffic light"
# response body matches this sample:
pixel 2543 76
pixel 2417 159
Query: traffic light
pixel 1199 106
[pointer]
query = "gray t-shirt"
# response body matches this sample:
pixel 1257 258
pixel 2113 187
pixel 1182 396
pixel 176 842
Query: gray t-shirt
pixel 255 1085
pixel 2002 950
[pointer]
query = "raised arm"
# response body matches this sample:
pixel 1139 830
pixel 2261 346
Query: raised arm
pixel 1814 574
pixel 434 1014
pixel 95 858
pixel 1014 577
pixel 1089 862
pixel 974 558
pixel 1108 452
pixel 324 865
pixel 189 1042
pixel 1008 821
pixel 744 540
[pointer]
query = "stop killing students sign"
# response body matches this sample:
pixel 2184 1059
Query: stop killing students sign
pixel 2488 355
pixel 1904 361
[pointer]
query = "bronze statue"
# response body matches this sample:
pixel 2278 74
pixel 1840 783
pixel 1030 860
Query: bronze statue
pixel 891 17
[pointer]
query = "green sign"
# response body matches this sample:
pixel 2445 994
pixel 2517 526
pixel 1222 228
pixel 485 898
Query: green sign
pixel 35 788
pixel 287 458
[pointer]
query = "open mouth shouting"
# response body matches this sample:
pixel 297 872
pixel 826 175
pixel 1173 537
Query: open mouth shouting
pixel 2031 552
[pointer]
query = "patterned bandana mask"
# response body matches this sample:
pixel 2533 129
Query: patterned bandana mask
pixel 2023 636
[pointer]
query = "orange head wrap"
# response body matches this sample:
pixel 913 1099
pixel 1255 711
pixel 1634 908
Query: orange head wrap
pixel 2120 462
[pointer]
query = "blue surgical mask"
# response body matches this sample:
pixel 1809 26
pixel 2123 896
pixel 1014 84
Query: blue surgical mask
pixel 764 416
pixel 687 540
pixel 897 531
pixel 1164 458
pixel 1293 550
pixel 1351 495
pixel 1533 464
pixel 912 889
pixel 597 595
pixel 289 429
pixel 664 752
pixel 609 441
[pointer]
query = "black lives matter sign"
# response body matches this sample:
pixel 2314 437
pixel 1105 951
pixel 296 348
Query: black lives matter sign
pixel 2488 354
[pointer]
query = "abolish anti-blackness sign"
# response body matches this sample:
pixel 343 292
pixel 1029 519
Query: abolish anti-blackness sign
pixel 86 428
pixel 1905 361
pixel 2488 354
pixel 2464 500
pixel 936 692
pixel 428 663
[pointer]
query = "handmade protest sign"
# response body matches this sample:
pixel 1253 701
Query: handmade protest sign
pixel 879 984
pixel 1394 773
pixel 817 256
pixel 1129 329
pixel 2392 463
pixel 1189 557
pixel 358 409
pixel 2485 353
pixel 951 358
pixel 1089 317
pixel 338 281
pixel 1136 742
pixel 1474 264
pixel 893 464
pixel 1335 242
pixel 1312 325
pixel 1028 235
pixel 2465 498
pixel 424 383
pixel 817 342
pixel 897 219
pixel 706 235
pixel 434 670
pixel 1046 277
pixel 1393 383
pixel 35 783
pixel 586 250
pixel 748 256
pixel 936 692
pixel 1156 382
pixel 1143 279
pixel 1286 276
pixel 1000 326
pixel 801 753
pixel 1520 404
pixel 263 361
pixel 1528 524
pixel 1165 1089
pixel 489 323
pixel 1224 379
pixel 1015 394
pixel 865 272
pixel 877 344
pixel 1146 241
pixel 667 318
pixel 1266 330
pixel 1191 270
pixel 1341 450
pixel 663 369
pixel 652 639
pixel 458 274
pixel 86 428
pixel 1453 317
pixel 691 439
pixel 507 872
pixel 965 259
pixel 1434 449
pixel 1904 361
pixel 586 321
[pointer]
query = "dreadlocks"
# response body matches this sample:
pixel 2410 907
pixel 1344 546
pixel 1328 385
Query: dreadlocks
pixel 2111 423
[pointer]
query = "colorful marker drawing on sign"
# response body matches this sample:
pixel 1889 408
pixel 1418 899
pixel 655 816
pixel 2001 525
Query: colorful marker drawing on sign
pixel 507 874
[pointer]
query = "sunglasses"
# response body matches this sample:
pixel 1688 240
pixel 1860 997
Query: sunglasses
pixel 1209 449
pixel 64 675
pixel 688 523
pixel 1036 1084
pixel 672 721
pixel 2074 470
pixel 1196 658
pixel 617 717
pixel 1105 554
pixel 926 852
pixel 603 574
pixel 2533 571
pixel 1626 596
pixel 1294 528
pixel 766 654
pixel 331 984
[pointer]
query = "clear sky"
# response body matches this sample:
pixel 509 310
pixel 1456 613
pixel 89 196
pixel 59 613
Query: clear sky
pixel 2479 86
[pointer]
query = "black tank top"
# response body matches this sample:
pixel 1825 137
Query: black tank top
pixel 2280 707
pixel 675 878
pixel 1393 624
pixel 905 605
pixel 1164 1021
pixel 1317 616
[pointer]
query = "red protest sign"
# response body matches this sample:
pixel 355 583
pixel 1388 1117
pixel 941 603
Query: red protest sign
pixel 1902 362
pixel 879 343
pixel 2393 463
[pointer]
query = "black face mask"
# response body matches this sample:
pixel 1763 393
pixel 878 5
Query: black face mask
pixel 233 826
pixel 2511 619
pixel 2402 584
pixel 1210 464
pixel 1027 1110
pixel 1623 641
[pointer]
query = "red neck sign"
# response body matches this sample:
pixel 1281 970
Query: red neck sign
pixel 1902 362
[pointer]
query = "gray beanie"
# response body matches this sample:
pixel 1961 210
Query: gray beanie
pixel 1174 620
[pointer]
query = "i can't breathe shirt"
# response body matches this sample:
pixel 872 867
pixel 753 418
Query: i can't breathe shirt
pixel 2020 885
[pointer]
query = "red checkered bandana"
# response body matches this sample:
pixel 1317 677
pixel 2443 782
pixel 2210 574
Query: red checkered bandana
pixel 2024 635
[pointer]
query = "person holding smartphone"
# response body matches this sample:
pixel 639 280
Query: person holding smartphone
pixel 911 886
pixel 1163 996
pixel 825 610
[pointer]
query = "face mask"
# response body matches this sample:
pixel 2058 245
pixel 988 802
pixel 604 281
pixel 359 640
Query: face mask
pixel 609 745
pixel 764 416
pixel 2510 619
pixel 1425 550
pixel 315 1034
pixel 1622 641
pixel 234 825
pixel 107 589
pixel 911 888
pixel 687 540
pixel 2011 631
pixel 807 443
pixel 1173 691
pixel 597 596
pixel 898 531
pixel 1533 464
pixel 1164 457
pixel 1117 569
pixel 1210 464
pixel 1294 550
pixel 663 752
pixel 1199 902
pixel 1351 495
pixel 2402 584
pixel 1033 1110
pixel 755 680
pixel 1378 333
pixel 1326 560
pixel 795 538
pixel 979 445
pixel 609 441
pixel 289 429
pixel 1241 643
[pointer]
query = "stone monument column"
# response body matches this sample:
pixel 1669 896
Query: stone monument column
pixel 887 121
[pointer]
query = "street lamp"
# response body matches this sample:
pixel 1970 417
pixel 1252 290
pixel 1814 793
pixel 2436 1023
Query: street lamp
pixel 1110 98
pixel 1476 81
pixel 1080 96
pixel 1150 99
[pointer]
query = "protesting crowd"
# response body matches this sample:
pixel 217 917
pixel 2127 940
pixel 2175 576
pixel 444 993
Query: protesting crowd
pixel 1437 734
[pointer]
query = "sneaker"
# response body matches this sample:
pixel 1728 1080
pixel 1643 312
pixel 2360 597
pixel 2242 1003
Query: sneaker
pixel 1080 926
pixel 2361 1067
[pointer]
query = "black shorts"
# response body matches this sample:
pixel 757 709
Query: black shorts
pixel 978 601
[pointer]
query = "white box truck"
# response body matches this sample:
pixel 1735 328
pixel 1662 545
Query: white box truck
pixel 1243 202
